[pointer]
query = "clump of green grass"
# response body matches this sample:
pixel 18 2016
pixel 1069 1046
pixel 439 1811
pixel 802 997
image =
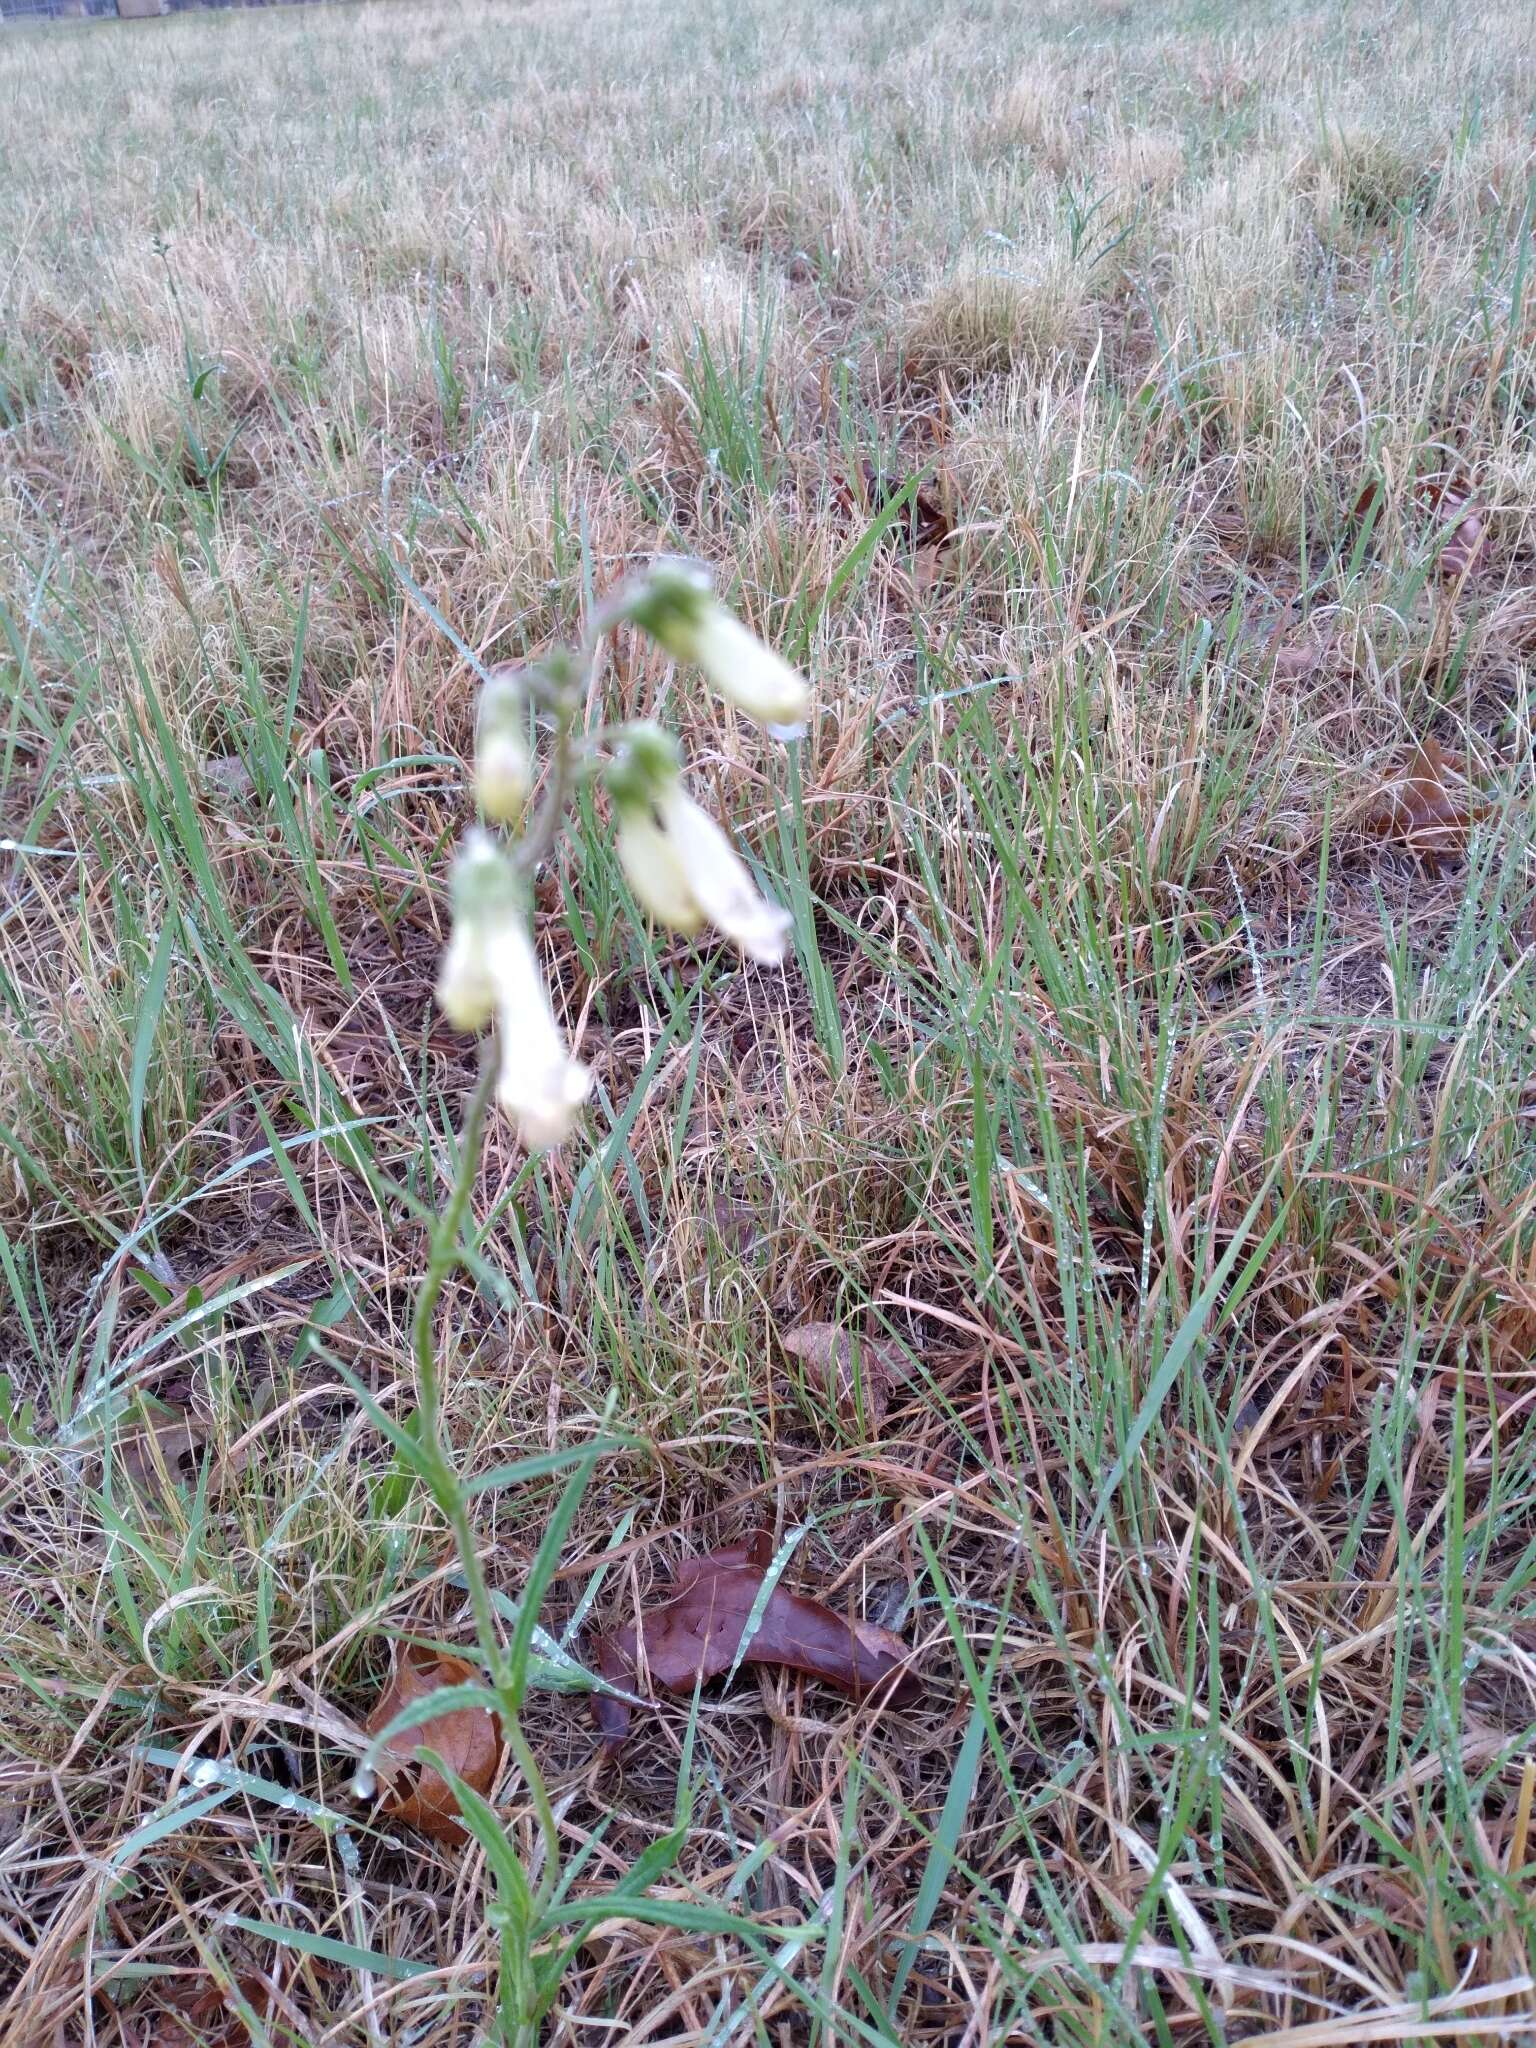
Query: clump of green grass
pixel 1372 171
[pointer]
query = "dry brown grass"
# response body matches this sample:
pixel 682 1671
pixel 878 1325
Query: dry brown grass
pixel 1175 1124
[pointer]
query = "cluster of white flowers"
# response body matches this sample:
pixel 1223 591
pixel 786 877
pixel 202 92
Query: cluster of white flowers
pixel 680 864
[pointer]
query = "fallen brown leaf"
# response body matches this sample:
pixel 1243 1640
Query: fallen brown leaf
pixel 695 1635
pixel 854 1380
pixel 927 567
pixel 1449 503
pixel 739 1227
pixel 1428 808
pixel 466 1738
pixel 1456 511
pixel 156 1451
pixel 925 522
pixel 1301 659
pixel 206 2016
pixel 1369 501
pixel 69 353
pixel 162 1450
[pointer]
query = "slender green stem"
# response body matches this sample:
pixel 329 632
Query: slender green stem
pixel 539 841
pixel 543 1809
pixel 443 1245
pixel 445 1251
pixel 443 1255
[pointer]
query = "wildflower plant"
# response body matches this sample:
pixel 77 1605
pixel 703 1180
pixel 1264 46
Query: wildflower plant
pixel 681 865
pixel 686 874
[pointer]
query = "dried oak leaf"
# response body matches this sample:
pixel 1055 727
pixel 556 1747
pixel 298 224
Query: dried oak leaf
pixel 695 1635
pixel 1456 512
pixel 925 521
pixel 466 1738
pixel 162 1449
pixel 1299 660
pixel 926 518
pixel 1369 501
pixel 157 1451
pixel 857 1380
pixel 206 2016
pixel 740 1228
pixel 1428 809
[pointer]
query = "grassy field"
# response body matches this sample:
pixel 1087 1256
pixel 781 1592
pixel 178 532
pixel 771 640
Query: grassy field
pixel 1123 413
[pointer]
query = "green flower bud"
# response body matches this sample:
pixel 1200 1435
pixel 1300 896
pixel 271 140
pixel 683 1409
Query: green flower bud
pixel 503 772
pixel 644 769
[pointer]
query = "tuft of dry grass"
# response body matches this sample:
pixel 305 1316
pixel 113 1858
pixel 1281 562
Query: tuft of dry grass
pixel 1167 1118
pixel 1005 310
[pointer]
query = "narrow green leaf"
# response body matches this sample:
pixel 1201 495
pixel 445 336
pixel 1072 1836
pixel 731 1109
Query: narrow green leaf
pixel 151 1003
pixel 329 1950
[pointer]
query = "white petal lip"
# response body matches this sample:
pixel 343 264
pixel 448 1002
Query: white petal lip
pixel 656 874
pixel 746 672
pixel 720 884
pixel 540 1086
pixel 548 1118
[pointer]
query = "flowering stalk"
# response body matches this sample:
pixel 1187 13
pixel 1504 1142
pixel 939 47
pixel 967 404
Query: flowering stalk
pixel 503 771
pixel 684 871
pixel 443 1482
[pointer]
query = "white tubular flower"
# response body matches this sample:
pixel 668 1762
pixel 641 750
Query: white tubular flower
pixel 466 994
pixel 675 607
pixel 539 1086
pixel 489 970
pixel 503 772
pixel 649 858
pixel 485 893
pixel 744 671
pixel 502 776
pixel 718 882
pixel 680 864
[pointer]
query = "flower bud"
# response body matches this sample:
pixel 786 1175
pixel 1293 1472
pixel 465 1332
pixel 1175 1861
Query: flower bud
pixel 502 778
pixel 503 773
